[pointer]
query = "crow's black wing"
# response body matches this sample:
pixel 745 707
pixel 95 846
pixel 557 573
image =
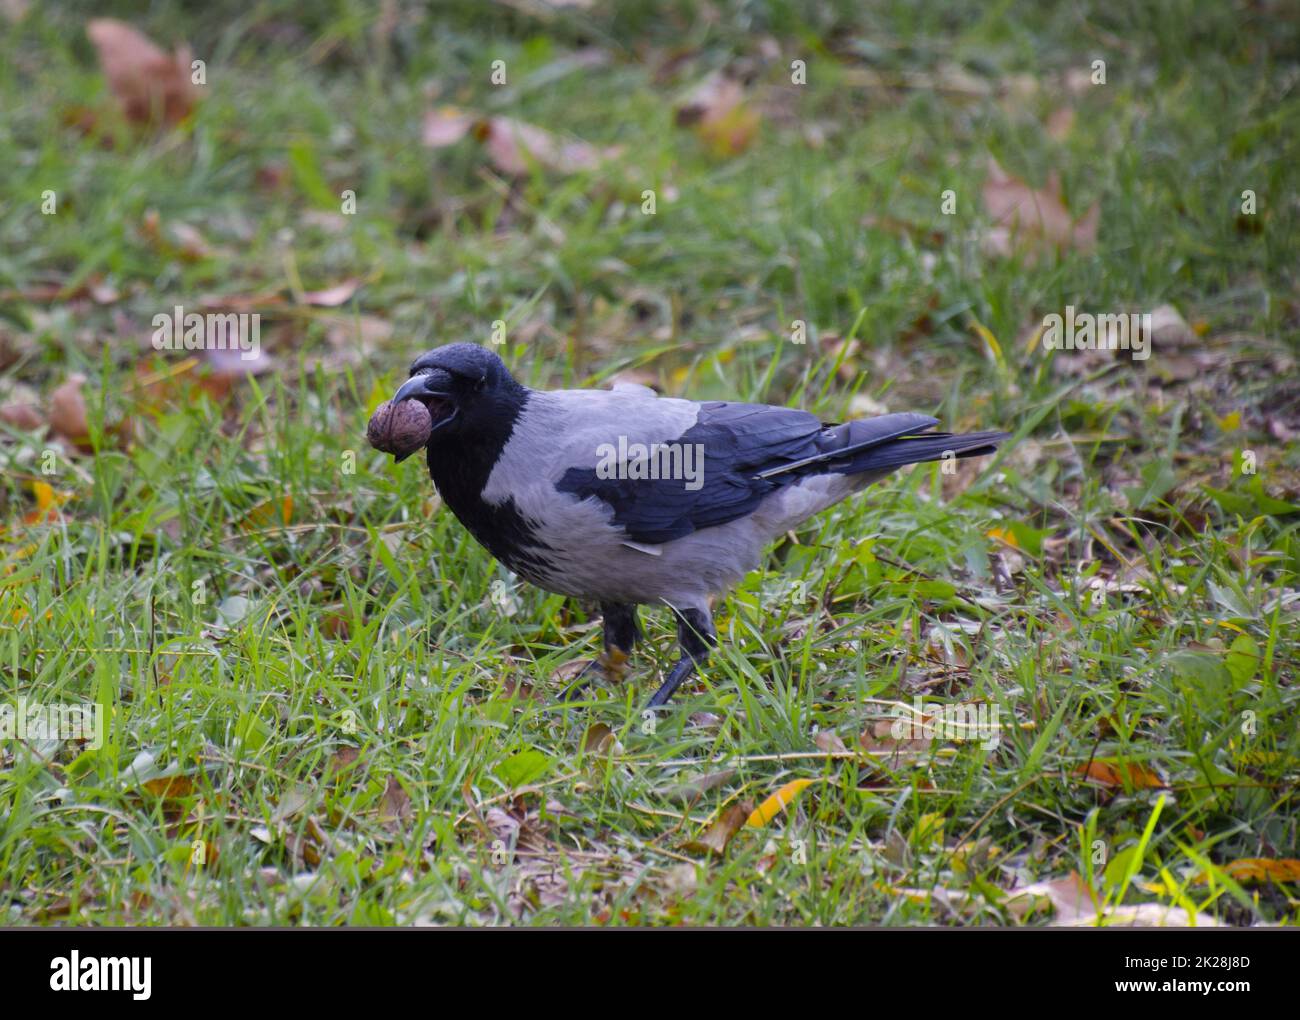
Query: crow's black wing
pixel 728 449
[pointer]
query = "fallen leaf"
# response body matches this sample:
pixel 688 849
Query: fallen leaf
pixel 177 238
pixel 1060 123
pixel 343 760
pixel 1170 329
pixel 149 84
pixel 717 111
pixel 777 802
pixel 1116 774
pixel 68 411
pixel 694 788
pixel 514 148
pixel 445 126
pixel 168 789
pixel 878 739
pixel 293 801
pixel 22 416
pixel 229 364
pixel 715 838
pixel 302 850
pixel 1264 869
pixel 269 513
pixel 600 739
pixel 1033 220
pixel 395 804
pixel 1069 897
pixel 1143 915
pixel 332 297
pixel 829 741
pixel 48 502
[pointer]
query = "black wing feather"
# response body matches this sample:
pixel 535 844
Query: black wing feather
pixel 750 450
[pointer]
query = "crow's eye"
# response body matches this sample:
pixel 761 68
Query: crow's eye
pixel 478 386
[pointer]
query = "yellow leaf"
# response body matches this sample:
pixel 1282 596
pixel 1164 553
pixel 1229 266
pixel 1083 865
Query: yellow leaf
pixel 990 341
pixel 44 494
pixel 1262 869
pixel 1113 773
pixel 1230 422
pixel 776 803
pixel 1003 535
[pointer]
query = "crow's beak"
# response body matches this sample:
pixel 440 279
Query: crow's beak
pixel 433 389
pixel 434 384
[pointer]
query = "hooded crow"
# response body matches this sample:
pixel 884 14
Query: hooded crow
pixel 627 498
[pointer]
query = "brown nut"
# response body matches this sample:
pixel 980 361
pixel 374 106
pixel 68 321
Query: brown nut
pixel 401 429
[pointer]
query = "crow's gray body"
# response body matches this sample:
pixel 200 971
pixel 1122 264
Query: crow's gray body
pixel 589 555
pixel 529 473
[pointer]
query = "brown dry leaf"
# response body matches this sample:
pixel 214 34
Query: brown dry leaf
pixel 395 805
pixel 228 365
pixel 1264 869
pixel 712 97
pixel 270 513
pixel 1060 123
pixel 169 789
pixel 68 411
pixel 717 110
pixel 518 826
pixel 715 838
pixel 22 416
pixel 1143 915
pixel 178 239
pixel 514 147
pixel 829 741
pixel 445 126
pixel 1070 897
pixel 512 688
pixel 149 84
pixel 332 297
pixel 343 760
pixel 1030 220
pixel 600 739
pixel 302 850
pixel 1116 774
pixel 878 739
pixel 692 789
pixel 1170 329
pixel 567 672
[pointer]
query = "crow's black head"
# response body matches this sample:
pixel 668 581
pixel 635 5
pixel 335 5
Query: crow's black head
pixel 469 392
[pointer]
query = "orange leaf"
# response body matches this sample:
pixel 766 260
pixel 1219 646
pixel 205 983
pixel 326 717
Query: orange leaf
pixel 1262 869
pixel 169 788
pixel 149 84
pixel 1033 219
pixel 68 411
pixel 1116 774
pixel 777 802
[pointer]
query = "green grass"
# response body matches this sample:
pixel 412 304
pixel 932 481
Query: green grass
pixel 242 654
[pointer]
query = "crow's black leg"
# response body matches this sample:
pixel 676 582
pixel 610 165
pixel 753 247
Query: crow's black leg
pixel 621 633
pixel 695 635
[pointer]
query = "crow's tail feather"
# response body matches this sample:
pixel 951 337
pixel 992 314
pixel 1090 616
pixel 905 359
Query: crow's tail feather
pixel 884 443
pixel 922 448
